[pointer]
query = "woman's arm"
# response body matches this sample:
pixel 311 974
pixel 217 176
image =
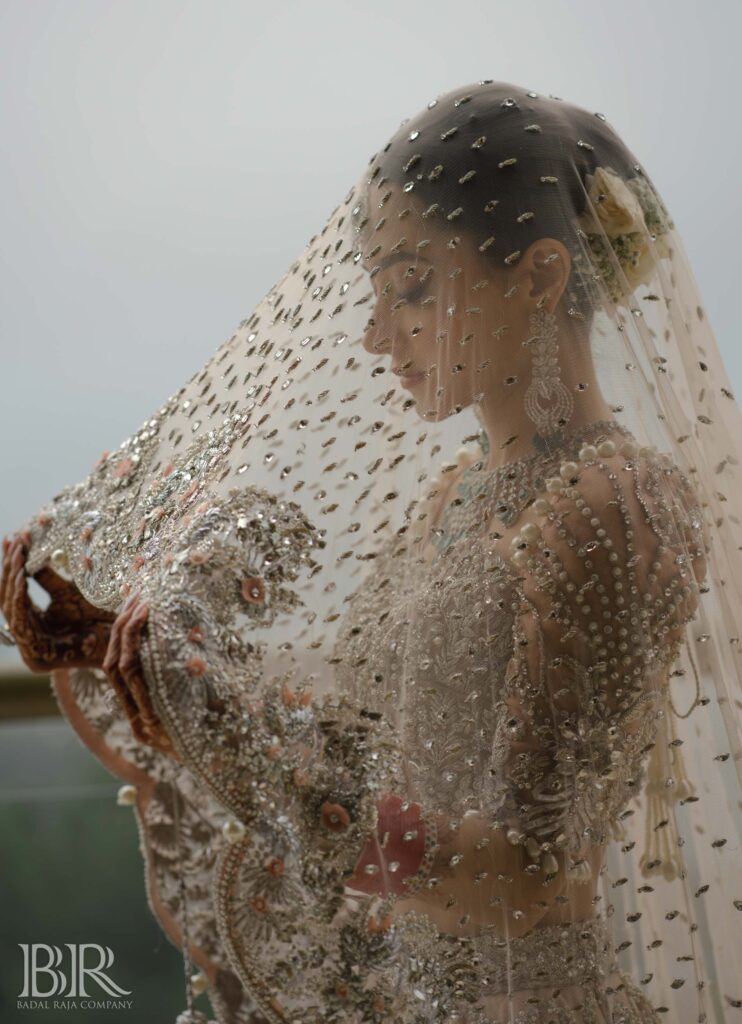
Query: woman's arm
pixel 608 569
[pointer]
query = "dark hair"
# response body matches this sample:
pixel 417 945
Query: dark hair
pixel 477 156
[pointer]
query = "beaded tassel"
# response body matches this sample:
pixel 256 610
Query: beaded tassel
pixel 667 781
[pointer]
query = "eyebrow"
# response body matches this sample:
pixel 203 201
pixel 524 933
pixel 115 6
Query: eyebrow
pixel 403 254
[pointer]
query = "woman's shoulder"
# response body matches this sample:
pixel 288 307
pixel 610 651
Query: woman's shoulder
pixel 620 487
pixel 615 538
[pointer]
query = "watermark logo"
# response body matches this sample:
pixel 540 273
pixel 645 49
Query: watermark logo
pixel 53 980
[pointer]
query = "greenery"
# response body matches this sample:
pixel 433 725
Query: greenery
pixel 72 872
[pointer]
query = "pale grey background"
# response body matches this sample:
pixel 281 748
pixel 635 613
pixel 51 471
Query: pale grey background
pixel 163 161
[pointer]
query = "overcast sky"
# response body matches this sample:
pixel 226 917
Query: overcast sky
pixel 163 161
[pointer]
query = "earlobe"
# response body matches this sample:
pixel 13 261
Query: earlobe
pixel 548 267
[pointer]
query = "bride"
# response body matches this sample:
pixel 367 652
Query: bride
pixel 382 618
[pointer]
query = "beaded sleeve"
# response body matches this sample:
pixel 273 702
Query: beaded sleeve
pixel 608 562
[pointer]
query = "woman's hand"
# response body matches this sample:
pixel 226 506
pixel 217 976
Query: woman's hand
pixel 399 838
pixel 123 667
pixel 69 633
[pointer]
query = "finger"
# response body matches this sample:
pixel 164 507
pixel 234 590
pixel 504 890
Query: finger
pixel 130 633
pixel 129 706
pixel 22 609
pixel 111 668
pixel 126 703
pixel 113 651
pixel 6 547
pixel 154 732
pixel 8 553
pixel 8 592
pixel 18 563
pixel 124 671
pixel 52 582
pixel 131 666
pixel 20 553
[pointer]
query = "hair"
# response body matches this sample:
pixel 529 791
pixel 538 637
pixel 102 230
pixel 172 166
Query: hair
pixel 504 208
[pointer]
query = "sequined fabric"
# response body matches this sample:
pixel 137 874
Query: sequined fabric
pixel 560 972
pixel 449 524
pixel 433 654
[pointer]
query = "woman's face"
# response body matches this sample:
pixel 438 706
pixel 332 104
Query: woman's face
pixel 440 309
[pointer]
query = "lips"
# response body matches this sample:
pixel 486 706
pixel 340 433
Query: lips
pixel 408 375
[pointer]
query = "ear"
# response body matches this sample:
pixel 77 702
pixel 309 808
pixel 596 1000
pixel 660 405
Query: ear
pixel 546 266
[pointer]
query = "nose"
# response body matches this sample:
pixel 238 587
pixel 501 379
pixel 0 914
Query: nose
pixel 374 340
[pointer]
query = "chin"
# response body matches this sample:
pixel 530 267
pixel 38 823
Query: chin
pixel 442 413
pixel 433 408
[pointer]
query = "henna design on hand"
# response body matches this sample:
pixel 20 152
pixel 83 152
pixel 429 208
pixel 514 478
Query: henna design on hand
pixel 123 666
pixel 69 633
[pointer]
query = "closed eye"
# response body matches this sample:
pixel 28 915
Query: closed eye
pixel 414 293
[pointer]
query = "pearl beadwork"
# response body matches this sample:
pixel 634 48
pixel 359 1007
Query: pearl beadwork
pixel 199 983
pixel 493 676
pixel 629 449
pixel 233 830
pixel 530 532
pixel 126 796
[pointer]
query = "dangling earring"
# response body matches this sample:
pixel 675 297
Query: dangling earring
pixel 548 402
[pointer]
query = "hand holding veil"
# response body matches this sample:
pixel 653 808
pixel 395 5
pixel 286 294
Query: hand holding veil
pixel 432 547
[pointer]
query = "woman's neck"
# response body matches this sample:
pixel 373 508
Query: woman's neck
pixel 512 434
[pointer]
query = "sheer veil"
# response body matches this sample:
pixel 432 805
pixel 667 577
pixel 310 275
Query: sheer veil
pixel 441 549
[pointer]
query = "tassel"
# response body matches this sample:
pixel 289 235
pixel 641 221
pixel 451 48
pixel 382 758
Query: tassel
pixel 661 855
pixel 617 829
pixel 580 872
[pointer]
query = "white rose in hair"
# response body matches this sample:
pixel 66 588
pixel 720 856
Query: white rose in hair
pixel 640 268
pixel 619 212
